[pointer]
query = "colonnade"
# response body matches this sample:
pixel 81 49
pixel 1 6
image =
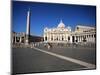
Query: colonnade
pixel 70 38
pixel 18 38
pixel 84 38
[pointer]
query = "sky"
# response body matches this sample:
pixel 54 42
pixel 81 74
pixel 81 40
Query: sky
pixel 49 15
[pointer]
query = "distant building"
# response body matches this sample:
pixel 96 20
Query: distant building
pixel 63 34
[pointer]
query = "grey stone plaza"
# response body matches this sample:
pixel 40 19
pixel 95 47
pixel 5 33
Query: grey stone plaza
pixel 30 60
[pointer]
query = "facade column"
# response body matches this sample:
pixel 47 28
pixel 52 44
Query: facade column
pixel 70 39
pixel 79 38
pixel 64 37
pixel 67 38
pixel 53 37
pixel 58 37
pixel 75 39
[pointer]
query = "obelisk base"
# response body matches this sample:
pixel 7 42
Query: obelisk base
pixel 26 42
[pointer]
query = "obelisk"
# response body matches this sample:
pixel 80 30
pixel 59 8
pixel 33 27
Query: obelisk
pixel 27 41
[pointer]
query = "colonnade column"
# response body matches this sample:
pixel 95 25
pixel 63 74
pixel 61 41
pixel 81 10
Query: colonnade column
pixel 87 38
pixel 93 38
pixel 79 38
pixel 15 39
pixel 60 37
pixel 20 39
pixel 44 37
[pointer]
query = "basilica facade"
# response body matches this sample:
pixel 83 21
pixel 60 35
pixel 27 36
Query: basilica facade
pixel 62 34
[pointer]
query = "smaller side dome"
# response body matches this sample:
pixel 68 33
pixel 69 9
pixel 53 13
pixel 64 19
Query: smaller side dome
pixel 69 28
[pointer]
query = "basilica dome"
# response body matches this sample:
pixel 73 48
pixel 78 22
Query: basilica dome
pixel 61 25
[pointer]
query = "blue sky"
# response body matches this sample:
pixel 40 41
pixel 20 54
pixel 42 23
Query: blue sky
pixel 49 15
